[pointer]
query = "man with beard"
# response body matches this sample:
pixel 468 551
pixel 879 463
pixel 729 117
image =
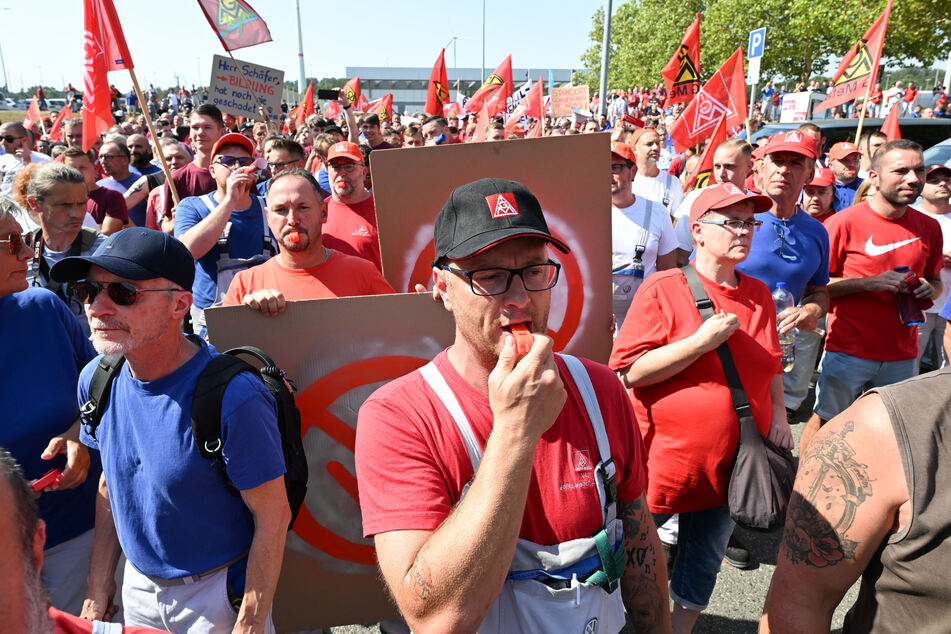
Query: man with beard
pixel 197 553
pixel 867 344
pixel 23 600
pixel 845 159
pixel 650 182
pixel 141 151
pixel 351 215
pixel 483 479
pixel 304 268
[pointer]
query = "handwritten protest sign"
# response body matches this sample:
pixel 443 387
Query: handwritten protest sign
pixel 568 97
pixel 239 88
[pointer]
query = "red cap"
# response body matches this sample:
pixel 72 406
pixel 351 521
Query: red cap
pixel 842 149
pixel 937 167
pixel 759 152
pixel 623 150
pixel 233 138
pixel 637 134
pixel 345 149
pixel 724 195
pixel 792 141
pixel 822 178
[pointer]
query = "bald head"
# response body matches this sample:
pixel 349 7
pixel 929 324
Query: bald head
pixel 140 150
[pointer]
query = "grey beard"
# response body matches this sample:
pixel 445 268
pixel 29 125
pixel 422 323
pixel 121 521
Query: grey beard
pixel 36 600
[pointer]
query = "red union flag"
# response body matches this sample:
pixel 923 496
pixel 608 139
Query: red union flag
pixel 383 107
pixel 723 95
pixel 304 109
pixel 236 24
pixel 56 130
pixel 33 114
pixel 890 124
pixel 703 174
pixel 104 49
pixel 352 90
pixel 529 106
pixel 437 93
pixel 682 72
pixel 499 81
pixel 858 70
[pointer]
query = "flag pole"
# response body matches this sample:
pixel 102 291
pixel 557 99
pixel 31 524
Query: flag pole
pixel 858 130
pixel 749 136
pixel 158 146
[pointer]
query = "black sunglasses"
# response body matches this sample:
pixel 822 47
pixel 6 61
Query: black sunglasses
pixel 121 293
pixel 17 242
pixel 11 139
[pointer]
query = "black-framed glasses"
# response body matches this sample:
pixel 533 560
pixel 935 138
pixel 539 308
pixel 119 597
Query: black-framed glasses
pixel 232 161
pixel 17 241
pixel 10 139
pixel 281 165
pixel 111 157
pixel 735 224
pixel 121 293
pixel 495 281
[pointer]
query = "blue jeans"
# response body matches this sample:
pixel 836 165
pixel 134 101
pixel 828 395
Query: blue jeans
pixel 704 536
pixel 842 378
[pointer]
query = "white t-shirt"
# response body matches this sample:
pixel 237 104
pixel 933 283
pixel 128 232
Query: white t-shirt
pixel 627 226
pixel 10 166
pixel 939 301
pixel 658 188
pixel 682 221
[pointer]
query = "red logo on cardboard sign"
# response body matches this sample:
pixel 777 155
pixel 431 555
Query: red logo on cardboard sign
pixel 502 205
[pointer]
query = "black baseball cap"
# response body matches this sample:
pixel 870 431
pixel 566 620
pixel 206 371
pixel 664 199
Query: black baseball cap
pixel 135 253
pixel 483 213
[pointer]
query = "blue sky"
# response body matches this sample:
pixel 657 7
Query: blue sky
pixel 172 37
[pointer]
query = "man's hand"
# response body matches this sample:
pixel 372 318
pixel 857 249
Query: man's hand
pixel 526 395
pixel 24 155
pixel 889 281
pixel 802 317
pixel 239 183
pixel 925 290
pixel 77 458
pixel 269 301
pixel 716 330
pixel 99 606
pixel 780 434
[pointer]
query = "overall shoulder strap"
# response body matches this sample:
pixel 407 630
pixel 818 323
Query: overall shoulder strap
pixel 438 383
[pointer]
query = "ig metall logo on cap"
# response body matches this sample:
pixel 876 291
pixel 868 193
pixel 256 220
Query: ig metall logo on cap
pixel 502 205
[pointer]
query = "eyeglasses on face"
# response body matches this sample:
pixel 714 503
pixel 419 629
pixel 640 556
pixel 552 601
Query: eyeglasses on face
pixel 10 139
pixel 17 241
pixel 345 167
pixel 495 281
pixel 735 224
pixel 121 293
pixel 232 161
pixel 281 165
pixel 111 157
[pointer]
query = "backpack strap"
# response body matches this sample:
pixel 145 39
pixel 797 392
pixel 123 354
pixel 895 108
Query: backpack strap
pixel 99 388
pixel 206 410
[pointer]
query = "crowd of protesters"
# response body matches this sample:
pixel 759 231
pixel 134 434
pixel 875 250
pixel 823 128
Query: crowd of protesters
pixel 100 245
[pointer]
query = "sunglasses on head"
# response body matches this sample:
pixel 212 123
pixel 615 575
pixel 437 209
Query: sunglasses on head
pixel 18 241
pixel 121 293
pixel 231 161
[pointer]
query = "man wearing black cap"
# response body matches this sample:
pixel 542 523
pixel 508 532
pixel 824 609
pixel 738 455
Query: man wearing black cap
pixel 539 539
pixel 188 540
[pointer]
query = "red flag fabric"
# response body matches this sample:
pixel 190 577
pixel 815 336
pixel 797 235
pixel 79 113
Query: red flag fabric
pixel 104 50
pixel 56 130
pixel 382 107
pixel 437 93
pixel 333 110
pixel 361 104
pixel 499 80
pixel 453 109
pixel 859 68
pixel 304 109
pixel 33 114
pixel 529 106
pixel 537 131
pixel 682 72
pixel 632 120
pixel 725 93
pixel 352 90
pixel 703 174
pixel 235 23
pixel 481 123
pixel 890 125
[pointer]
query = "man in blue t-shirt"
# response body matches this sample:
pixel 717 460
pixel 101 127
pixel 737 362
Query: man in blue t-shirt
pixel 845 160
pixel 189 542
pixel 226 231
pixel 792 247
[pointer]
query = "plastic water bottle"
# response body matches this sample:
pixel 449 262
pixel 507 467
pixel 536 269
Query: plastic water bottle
pixel 787 341
pixel 909 308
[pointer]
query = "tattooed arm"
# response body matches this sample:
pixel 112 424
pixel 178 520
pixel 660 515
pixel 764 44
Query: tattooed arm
pixel 644 584
pixel 849 490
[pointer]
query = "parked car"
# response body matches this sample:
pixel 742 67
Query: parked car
pixel 939 154
pixel 926 132
pixel 55 105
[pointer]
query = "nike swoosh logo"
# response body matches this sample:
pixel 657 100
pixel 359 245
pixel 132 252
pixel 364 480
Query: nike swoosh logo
pixel 874 249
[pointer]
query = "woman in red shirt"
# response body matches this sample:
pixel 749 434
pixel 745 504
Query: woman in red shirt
pixel 666 355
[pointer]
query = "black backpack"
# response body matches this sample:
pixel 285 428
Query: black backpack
pixel 206 413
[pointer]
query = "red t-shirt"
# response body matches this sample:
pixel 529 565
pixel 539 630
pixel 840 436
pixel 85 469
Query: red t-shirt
pixel 688 421
pixel 825 217
pixel 190 180
pixel 64 623
pixel 412 463
pixel 351 228
pixel 341 275
pixel 862 244
pixel 911 94
pixel 107 202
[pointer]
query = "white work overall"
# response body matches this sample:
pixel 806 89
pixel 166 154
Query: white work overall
pixel 545 590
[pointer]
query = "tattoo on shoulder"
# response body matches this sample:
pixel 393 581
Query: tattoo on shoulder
pixel 820 518
pixel 422 579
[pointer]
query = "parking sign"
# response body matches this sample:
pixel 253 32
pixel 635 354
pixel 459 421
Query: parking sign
pixel 757 43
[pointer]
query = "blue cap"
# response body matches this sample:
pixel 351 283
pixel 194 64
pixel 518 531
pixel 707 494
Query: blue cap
pixel 135 253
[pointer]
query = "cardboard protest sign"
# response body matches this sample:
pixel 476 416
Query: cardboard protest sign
pixel 567 97
pixel 238 88
pixel 336 352
pixel 570 177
